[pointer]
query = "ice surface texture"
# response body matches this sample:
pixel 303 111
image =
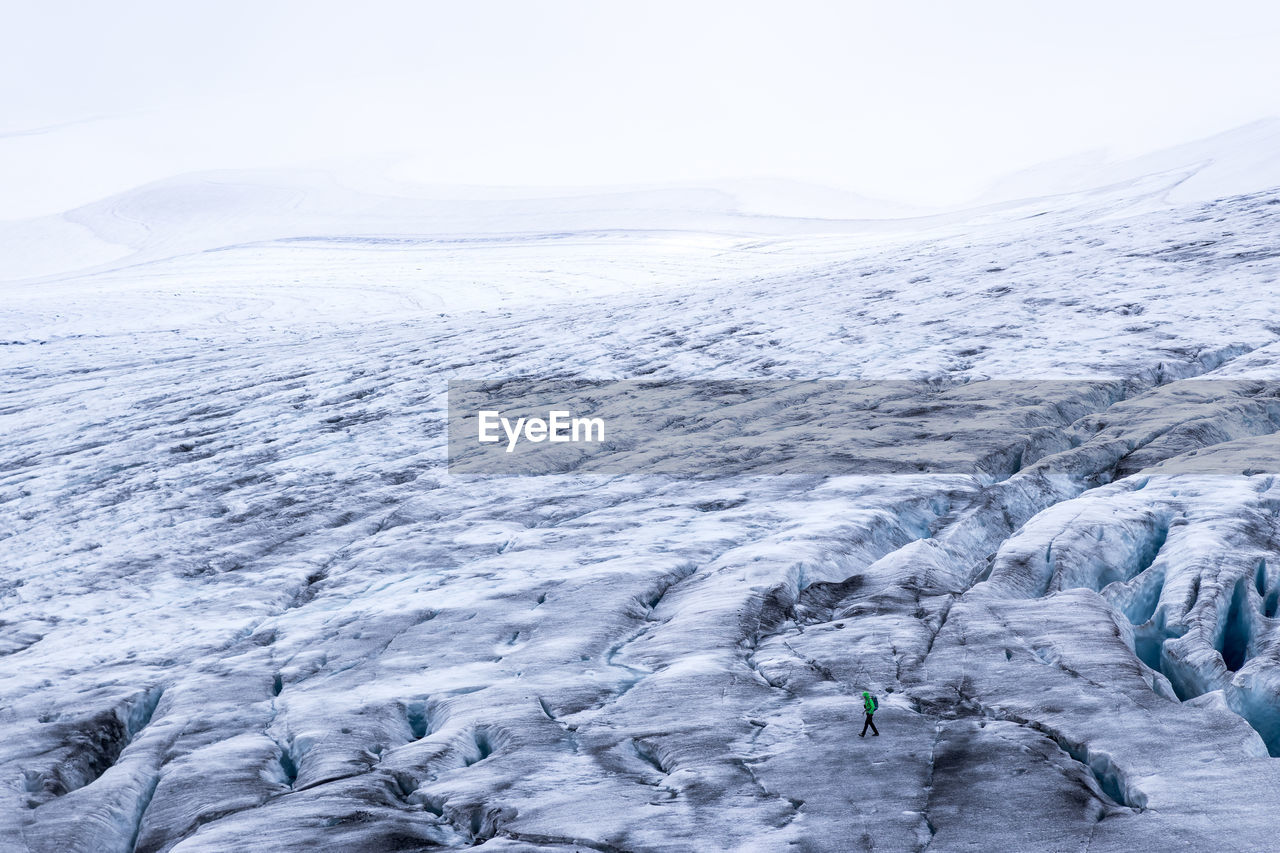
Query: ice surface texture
pixel 245 607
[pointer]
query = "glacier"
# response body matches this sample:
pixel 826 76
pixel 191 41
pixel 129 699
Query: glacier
pixel 245 604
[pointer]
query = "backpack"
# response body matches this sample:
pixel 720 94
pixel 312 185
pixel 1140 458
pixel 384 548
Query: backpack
pixel 871 705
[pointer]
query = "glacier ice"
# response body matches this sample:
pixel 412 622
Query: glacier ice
pixel 245 605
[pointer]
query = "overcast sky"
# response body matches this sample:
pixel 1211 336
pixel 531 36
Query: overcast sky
pixel 923 102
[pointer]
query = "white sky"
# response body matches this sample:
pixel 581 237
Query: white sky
pixel 923 102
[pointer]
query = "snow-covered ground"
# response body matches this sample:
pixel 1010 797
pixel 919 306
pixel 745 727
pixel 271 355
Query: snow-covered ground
pixel 245 606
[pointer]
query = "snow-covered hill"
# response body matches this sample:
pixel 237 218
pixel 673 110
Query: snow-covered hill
pixel 254 249
pixel 245 606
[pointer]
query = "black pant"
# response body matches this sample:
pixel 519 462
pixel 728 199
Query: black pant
pixel 871 723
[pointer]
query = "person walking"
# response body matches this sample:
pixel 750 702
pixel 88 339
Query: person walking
pixel 869 704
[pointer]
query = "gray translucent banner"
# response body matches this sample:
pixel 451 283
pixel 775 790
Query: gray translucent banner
pixel 991 429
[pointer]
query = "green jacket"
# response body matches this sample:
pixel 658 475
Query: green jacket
pixel 869 702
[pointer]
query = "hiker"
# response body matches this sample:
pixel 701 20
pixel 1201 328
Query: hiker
pixel 869 704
